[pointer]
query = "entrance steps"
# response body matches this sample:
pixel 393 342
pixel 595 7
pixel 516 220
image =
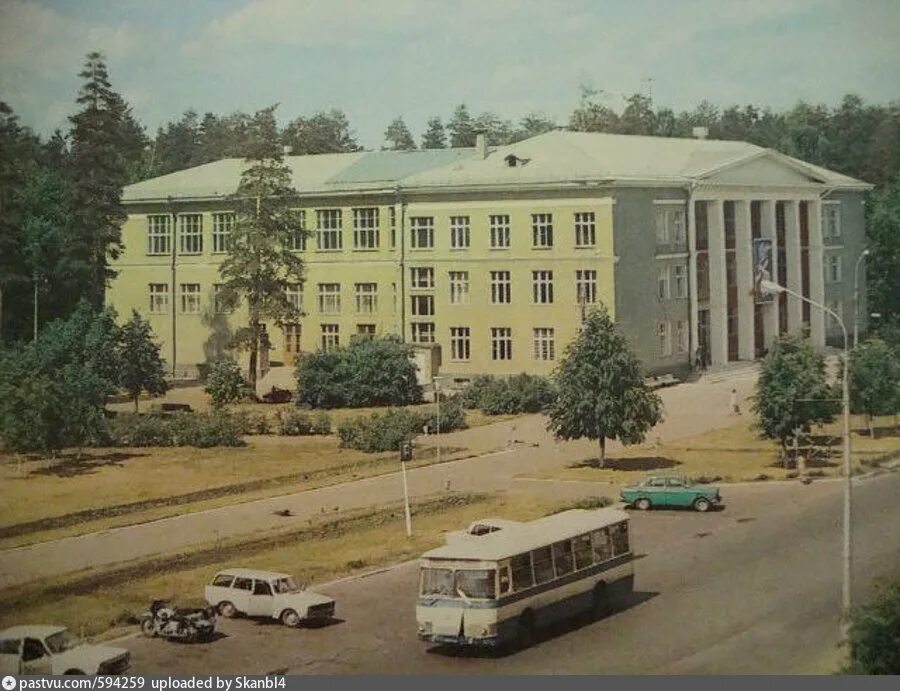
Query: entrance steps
pixel 732 370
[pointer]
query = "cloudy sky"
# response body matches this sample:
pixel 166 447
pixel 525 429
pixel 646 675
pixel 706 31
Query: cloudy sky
pixel 376 59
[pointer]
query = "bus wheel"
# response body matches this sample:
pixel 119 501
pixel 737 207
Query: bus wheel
pixel 525 632
pixel 601 606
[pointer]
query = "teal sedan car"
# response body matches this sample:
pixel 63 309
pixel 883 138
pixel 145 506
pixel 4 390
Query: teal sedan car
pixel 669 491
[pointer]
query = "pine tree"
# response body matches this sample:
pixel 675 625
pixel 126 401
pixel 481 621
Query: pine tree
pixel 601 390
pixel 398 137
pixel 260 266
pixel 435 137
pixel 99 171
pixel 461 128
pixel 141 368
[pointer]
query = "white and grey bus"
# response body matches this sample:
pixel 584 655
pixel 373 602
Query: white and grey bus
pixel 495 586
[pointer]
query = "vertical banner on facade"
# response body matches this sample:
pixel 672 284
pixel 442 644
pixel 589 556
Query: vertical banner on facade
pixel 762 268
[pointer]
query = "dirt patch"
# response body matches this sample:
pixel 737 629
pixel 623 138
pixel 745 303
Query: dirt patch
pixel 641 464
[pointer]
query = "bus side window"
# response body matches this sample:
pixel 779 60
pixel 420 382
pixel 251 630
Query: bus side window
pixel 504 580
pixel 543 565
pixel 620 538
pixel 602 546
pixel 523 577
pixel 562 557
pixel 583 556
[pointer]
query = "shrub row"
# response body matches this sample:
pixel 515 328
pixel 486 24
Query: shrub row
pixel 298 423
pixel 386 432
pixel 522 393
pixel 179 429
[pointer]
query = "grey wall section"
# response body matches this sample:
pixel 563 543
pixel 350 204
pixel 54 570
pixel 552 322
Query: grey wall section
pixel 638 310
pixel 851 244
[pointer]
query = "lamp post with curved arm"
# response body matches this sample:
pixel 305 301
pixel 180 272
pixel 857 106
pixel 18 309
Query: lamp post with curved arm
pixel 846 593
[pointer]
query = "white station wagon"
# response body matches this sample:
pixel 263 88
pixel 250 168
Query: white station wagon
pixel 267 594
pixel 53 650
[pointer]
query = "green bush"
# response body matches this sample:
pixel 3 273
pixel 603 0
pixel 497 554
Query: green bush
pixel 875 634
pixel 522 393
pixel 453 417
pixel 201 430
pixel 321 424
pixel 225 383
pixel 380 432
pixel 299 423
pixel 253 423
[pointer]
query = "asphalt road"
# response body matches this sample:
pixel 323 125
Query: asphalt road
pixel 754 588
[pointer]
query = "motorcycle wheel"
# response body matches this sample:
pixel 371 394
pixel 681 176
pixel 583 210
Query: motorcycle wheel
pixel 148 628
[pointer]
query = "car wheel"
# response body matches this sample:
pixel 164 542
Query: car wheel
pixel 642 504
pixel 227 610
pixel 148 628
pixel 525 630
pixel 290 618
pixel 702 505
pixel 601 606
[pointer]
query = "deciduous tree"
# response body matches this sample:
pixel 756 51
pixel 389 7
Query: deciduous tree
pixel 141 368
pixel 874 380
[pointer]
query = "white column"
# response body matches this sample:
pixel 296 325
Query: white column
pixel 816 273
pixel 744 264
pixel 692 279
pixel 793 258
pixel 718 290
pixel 770 310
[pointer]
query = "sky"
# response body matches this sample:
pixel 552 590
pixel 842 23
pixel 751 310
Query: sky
pixel 377 59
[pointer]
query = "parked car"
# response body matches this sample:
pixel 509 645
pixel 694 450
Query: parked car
pixel 267 594
pixel 659 491
pixel 54 650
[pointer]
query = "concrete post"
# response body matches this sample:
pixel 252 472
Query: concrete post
pixel 793 258
pixel 770 311
pixel 816 273
pixel 718 290
pixel 744 263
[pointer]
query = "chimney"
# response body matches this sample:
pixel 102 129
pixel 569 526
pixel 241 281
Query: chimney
pixel 700 132
pixel 481 144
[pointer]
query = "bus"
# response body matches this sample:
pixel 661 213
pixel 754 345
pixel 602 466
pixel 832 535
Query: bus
pixel 498 585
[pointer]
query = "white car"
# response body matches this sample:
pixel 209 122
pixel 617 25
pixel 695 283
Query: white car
pixel 54 650
pixel 267 594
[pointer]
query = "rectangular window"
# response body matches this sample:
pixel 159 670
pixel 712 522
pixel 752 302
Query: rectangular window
pixel 421 230
pixel 522 573
pixel 501 293
pixel 331 336
pixel 662 282
pixel 583 553
pixel 543 565
pixel 499 231
pixel 619 536
pixel 542 287
pixel 586 286
pixel 366 298
pixel 670 225
pixel 298 235
pixel 544 344
pixel 682 335
pixel 190 298
pixel 662 335
pixel 680 281
pixel 365 229
pixel 219 306
pixel 190 232
pixel 159 234
pixel 329 298
pixel 422 332
pixel 329 232
pixel 831 221
pixel 542 230
pixel 501 343
pixel 421 277
pixel 563 560
pixel 292 334
pixel 676 221
pixel 833 268
pixel 294 294
pixel 422 305
pixel 459 232
pixel 602 545
pixel 223 224
pixel 662 226
pixel 392 217
pixel 159 298
pixel 365 330
pixel 459 287
pixel 459 343
pixel 585 229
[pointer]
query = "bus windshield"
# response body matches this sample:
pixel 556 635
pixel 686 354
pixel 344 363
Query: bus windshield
pixel 475 584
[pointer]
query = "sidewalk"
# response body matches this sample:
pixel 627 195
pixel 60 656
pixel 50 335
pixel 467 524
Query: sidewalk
pixel 527 448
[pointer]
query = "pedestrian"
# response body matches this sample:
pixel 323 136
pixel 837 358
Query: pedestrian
pixel 735 408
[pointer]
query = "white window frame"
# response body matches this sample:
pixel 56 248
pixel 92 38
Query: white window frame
pixel 460 232
pixel 421 305
pixel 544 343
pixel 421 232
pixel 460 343
pixel 331 336
pixel 422 332
pixel 671 224
pixel 329 230
pixel 500 233
pixel 329 295
pixel 682 335
pixel 222 226
pixel 501 287
pixel 662 282
pixel 365 228
pixel 585 229
pixel 392 219
pixel 679 281
pixel 834 268
pixel 831 224
pixel 294 294
pixel 664 338
pixel 159 234
pixel 298 236
pixel 459 287
pixel 542 287
pixel 421 277
pixel 541 231
pixel 293 336
pixel 190 298
pixel 366 295
pixel 501 343
pixel 190 233
pixel 586 286
pixel 159 298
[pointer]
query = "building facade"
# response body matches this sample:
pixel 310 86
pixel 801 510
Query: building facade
pixel 493 255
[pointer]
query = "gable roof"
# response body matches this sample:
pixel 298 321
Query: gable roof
pixel 552 158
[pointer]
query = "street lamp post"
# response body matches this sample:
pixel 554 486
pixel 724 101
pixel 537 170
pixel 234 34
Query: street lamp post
pixel 846 593
pixel 862 255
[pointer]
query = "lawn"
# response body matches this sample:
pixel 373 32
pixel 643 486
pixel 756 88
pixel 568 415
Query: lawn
pixel 736 454
pixel 95 602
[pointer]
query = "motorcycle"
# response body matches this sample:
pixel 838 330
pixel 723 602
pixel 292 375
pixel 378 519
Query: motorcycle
pixel 178 624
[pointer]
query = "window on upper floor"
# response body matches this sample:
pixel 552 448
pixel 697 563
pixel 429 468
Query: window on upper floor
pixel 421 230
pixel 662 282
pixel 500 288
pixel 501 343
pixel 459 287
pixel 422 332
pixel 365 228
pixel 585 229
pixel 366 298
pixel 421 305
pixel 670 225
pixel 421 277
pixel 831 221
pixel 329 229
pixel 223 224
pixel 499 226
pixel 190 298
pixel 159 298
pixel 544 344
pixel 586 286
pixel 159 234
pixel 298 235
pixel 331 336
pixel 542 287
pixel 542 230
pixel 329 298
pixel 459 343
pixel 833 268
pixel 459 232
pixel 190 233
pixel 679 281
